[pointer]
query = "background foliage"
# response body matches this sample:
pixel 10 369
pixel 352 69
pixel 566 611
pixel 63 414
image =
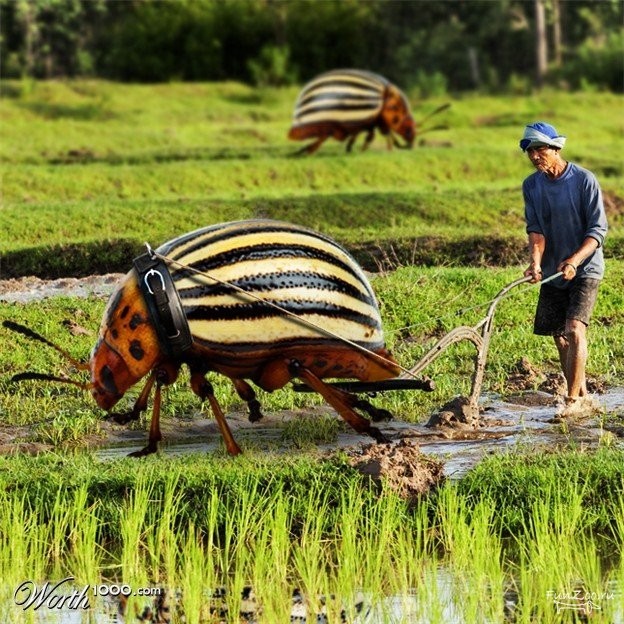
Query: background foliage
pixel 436 46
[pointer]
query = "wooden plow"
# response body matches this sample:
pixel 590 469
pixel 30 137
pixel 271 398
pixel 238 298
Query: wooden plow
pixel 479 335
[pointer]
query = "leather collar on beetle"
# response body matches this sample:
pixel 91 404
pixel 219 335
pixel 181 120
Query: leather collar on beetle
pixel 163 303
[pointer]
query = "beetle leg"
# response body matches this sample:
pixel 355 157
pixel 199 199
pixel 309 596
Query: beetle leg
pixel 246 392
pixel 375 413
pixel 155 436
pixel 369 137
pixel 312 147
pixel 203 389
pixel 340 400
pixel 351 141
pixel 140 404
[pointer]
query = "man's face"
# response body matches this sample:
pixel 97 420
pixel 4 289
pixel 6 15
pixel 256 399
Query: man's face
pixel 543 157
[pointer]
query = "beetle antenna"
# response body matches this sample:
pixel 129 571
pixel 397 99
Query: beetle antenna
pixel 44 377
pixel 435 112
pixel 439 127
pixel 33 335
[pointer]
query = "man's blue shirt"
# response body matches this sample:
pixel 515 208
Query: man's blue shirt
pixel 566 211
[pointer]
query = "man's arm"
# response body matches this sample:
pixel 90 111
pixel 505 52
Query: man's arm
pixel 570 265
pixel 537 244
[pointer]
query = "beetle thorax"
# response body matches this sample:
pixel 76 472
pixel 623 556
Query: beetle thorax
pixel 396 114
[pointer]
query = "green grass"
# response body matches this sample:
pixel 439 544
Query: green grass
pixel 91 170
pixel 146 163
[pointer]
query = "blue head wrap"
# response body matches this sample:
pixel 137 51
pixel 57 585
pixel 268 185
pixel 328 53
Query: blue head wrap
pixel 541 133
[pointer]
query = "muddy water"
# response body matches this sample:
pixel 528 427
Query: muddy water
pixel 523 419
pixel 29 289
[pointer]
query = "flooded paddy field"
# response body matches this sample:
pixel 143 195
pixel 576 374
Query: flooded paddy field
pixel 442 585
pixel 515 520
pixel 523 419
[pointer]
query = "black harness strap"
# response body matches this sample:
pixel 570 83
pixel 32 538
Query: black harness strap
pixel 164 305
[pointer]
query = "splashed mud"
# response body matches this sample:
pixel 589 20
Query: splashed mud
pixel 28 289
pixel 407 461
pixel 415 457
pixel 401 466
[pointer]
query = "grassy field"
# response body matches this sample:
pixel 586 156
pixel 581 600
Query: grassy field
pixel 91 170
pixel 419 305
pixel 126 164
pixel 198 523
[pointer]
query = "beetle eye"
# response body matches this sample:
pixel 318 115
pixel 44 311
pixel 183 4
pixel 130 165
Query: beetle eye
pixel 110 373
pixel 107 379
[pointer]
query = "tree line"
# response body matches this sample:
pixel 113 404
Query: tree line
pixel 429 45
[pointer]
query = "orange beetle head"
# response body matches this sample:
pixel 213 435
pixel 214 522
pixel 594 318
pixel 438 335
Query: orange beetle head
pixel 396 115
pixel 127 348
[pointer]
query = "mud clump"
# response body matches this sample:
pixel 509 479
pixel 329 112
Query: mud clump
pixel 401 466
pixel 458 413
pixel 525 376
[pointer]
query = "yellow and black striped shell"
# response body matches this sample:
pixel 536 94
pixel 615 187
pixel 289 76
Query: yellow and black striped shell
pixel 341 96
pixel 341 103
pixel 303 272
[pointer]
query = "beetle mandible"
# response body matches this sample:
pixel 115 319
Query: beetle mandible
pixel 344 102
pixel 256 300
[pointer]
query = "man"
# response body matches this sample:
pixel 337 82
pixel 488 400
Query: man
pixel 566 225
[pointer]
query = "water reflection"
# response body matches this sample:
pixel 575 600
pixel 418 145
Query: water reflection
pixel 440 599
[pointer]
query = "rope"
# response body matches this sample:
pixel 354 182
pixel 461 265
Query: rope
pixel 320 328
pixel 283 310
pixel 470 308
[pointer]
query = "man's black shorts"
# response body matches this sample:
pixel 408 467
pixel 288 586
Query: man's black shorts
pixel 556 305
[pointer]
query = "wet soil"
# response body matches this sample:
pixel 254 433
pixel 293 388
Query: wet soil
pixel 416 456
pixel 400 466
pixel 27 289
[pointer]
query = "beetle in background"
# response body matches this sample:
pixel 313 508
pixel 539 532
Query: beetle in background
pixel 258 300
pixel 342 103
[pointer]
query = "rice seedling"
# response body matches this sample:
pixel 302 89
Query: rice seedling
pixel 161 545
pixel 310 550
pixel 135 524
pixel 85 555
pixel 442 558
pixel 473 555
pixel 192 564
pixel 270 566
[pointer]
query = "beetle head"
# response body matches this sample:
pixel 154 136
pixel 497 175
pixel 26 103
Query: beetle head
pixel 396 115
pixel 127 348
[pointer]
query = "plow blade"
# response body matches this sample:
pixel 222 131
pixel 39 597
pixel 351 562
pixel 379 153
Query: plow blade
pixel 385 385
